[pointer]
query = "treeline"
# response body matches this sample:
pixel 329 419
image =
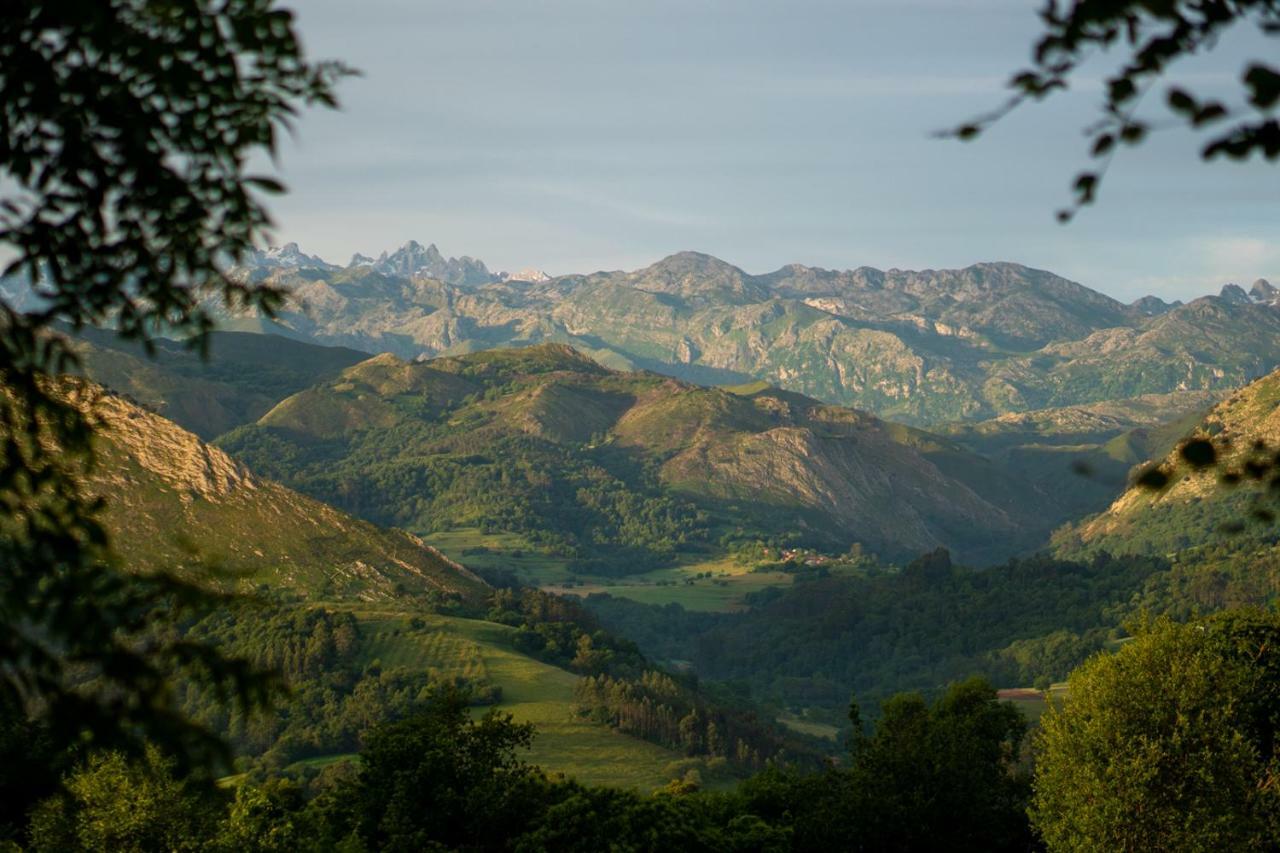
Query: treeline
pixel 335 693
pixel 600 508
pixel 560 631
pixel 442 780
pixel 658 708
pixel 622 689
pixel 1028 621
pixel 1169 743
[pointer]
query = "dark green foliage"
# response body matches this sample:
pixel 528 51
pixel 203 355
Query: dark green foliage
pixel 561 631
pixel 335 694
pixel 946 770
pixel 599 507
pixel 31 768
pixel 1170 743
pixel 658 707
pixel 915 630
pixel 440 780
pixel 930 776
pixel 125 128
pixel 113 803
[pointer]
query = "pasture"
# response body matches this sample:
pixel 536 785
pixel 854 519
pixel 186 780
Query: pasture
pixel 532 692
pixel 712 584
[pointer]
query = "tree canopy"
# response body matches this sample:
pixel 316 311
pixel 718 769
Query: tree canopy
pixel 126 130
pixel 1169 743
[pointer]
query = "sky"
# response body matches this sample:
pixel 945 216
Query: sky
pixel 577 135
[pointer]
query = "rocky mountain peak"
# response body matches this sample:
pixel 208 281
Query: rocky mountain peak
pixel 1234 294
pixel 288 256
pixel 1263 291
pixel 1153 306
pixel 413 259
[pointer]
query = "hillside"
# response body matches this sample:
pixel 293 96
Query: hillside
pixel 622 471
pixel 174 502
pixel 1084 453
pixel 925 347
pixel 245 375
pixel 1191 514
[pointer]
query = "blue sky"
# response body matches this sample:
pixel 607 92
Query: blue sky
pixel 575 135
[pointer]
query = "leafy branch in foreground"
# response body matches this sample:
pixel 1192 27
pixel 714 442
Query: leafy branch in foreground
pixel 1154 34
pixel 125 130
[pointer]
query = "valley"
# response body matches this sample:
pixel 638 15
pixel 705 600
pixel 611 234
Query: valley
pixel 764 544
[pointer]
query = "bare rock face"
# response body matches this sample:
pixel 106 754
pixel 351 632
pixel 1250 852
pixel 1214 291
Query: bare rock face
pixel 172 455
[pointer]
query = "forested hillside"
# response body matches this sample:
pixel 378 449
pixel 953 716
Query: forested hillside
pixel 622 471
pixel 243 376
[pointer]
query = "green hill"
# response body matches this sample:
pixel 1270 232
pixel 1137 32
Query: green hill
pixel 173 501
pixel 244 376
pixel 1083 454
pixel 1192 512
pixel 623 471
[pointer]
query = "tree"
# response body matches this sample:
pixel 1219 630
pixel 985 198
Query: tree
pixel 114 803
pixel 1154 34
pixel 946 770
pixel 440 780
pixel 1169 743
pixel 125 131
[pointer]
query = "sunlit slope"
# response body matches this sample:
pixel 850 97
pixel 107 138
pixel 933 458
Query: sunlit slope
pixel 173 501
pixel 531 691
pixel 1196 509
pixel 925 346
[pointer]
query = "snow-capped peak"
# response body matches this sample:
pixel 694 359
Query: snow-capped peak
pixel 288 256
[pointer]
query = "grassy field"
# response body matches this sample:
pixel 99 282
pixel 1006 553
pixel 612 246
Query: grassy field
pixel 479 550
pixel 717 585
pixel 809 727
pixel 541 694
pixel 532 692
pixel 1033 703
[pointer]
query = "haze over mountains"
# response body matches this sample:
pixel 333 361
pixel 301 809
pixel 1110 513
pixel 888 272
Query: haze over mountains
pixel 925 347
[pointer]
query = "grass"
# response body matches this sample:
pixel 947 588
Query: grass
pixel 1033 703
pixel 723 592
pixel 532 692
pixel 541 694
pixel 395 643
pixel 809 727
pixel 479 550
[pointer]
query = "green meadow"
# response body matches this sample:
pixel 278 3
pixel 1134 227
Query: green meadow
pixel 713 584
pixel 532 692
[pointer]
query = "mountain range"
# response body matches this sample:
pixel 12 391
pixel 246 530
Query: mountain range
pixel 923 347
